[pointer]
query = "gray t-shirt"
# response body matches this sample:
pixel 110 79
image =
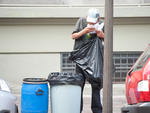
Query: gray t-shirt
pixel 80 25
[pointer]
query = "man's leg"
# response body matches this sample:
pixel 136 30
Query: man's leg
pixel 81 109
pixel 96 105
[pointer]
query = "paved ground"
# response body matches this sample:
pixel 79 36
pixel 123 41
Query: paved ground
pixel 118 97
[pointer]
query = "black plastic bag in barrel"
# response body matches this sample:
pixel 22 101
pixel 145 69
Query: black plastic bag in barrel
pixel 89 57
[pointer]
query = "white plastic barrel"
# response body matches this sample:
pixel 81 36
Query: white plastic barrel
pixel 65 98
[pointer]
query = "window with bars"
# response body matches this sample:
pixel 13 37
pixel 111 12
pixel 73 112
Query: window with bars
pixel 122 63
pixel 66 64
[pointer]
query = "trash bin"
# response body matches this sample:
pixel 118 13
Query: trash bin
pixel 65 92
pixel 7 99
pixel 34 95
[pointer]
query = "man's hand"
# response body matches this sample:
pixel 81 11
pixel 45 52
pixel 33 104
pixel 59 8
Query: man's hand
pixel 88 29
pixel 100 33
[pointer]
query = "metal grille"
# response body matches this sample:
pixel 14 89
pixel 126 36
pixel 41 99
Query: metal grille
pixel 66 64
pixel 122 63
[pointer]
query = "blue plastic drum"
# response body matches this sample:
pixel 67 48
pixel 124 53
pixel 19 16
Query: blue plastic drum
pixel 34 95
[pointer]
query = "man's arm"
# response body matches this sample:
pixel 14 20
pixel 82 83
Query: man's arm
pixel 82 32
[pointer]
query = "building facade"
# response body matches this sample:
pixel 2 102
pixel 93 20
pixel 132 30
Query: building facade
pixel 35 35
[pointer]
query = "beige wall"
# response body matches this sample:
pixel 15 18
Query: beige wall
pixel 15 67
pixel 131 37
pixel 35 38
pixel 56 38
pixel 69 11
pixel 31 48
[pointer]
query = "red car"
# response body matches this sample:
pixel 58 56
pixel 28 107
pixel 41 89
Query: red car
pixel 138 85
pixel 138 80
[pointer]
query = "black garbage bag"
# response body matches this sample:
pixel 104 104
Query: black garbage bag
pixel 65 78
pixel 89 57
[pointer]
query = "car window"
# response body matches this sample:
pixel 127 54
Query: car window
pixel 142 60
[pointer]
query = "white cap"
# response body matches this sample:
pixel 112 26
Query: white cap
pixel 93 15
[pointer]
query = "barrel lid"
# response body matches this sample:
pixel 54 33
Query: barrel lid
pixel 35 80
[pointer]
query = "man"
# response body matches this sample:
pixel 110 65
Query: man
pixel 87 29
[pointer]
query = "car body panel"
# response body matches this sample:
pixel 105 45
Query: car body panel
pixel 138 80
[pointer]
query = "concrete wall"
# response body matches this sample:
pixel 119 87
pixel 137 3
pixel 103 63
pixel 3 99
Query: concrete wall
pixel 69 11
pixel 50 36
pixel 34 50
pixel 131 37
pixel 31 49
pixel 15 67
pixel 35 38
pixel 32 37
